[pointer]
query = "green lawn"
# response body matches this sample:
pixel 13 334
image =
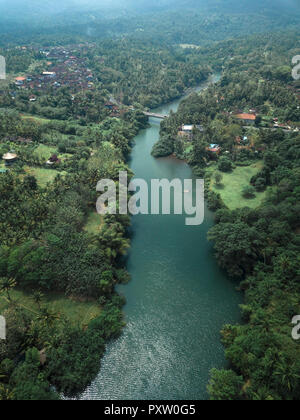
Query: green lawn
pixel 233 184
pixel 94 223
pixel 77 311
pixel 45 152
pixel 43 175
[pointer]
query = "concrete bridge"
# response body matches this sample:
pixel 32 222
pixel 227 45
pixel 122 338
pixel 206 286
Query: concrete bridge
pixel 154 115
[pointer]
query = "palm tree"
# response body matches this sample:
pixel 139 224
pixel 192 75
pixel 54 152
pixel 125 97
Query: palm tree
pixel 287 375
pixel 6 285
pixel 38 298
pixel 47 316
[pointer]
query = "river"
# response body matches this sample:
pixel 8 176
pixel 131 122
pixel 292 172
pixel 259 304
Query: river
pixel 177 301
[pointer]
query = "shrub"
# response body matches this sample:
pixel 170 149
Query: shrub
pixel 225 165
pixel 248 192
pixel 260 184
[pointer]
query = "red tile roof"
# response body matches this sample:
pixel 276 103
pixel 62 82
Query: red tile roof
pixel 251 117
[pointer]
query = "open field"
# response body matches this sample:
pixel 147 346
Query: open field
pixel 94 223
pixel 78 312
pixel 233 184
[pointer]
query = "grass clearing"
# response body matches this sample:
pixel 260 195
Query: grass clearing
pixel 45 152
pixel 43 175
pixel 39 120
pixel 233 184
pixel 78 312
pixel 94 223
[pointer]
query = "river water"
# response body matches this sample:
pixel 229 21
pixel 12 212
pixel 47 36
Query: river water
pixel 177 302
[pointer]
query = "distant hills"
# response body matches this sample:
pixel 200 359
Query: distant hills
pixel 172 21
pixel 24 9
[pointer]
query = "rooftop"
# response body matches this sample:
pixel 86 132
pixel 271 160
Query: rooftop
pixel 9 156
pixel 251 117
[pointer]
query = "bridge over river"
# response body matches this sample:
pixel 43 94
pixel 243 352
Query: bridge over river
pixel 155 115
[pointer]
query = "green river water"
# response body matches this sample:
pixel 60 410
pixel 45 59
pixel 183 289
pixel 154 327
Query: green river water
pixel 177 301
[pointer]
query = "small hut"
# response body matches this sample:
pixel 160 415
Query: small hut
pixel 9 158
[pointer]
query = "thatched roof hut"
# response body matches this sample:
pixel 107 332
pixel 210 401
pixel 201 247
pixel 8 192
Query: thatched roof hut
pixel 9 158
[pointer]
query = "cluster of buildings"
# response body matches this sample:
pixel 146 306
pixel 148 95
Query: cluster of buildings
pixel 187 132
pixel 63 69
pixel 115 111
pixel 250 119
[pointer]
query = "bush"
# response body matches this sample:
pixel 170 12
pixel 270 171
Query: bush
pixel 218 178
pixel 62 148
pixel 225 165
pixel 162 149
pixel 248 192
pixel 260 184
pixel 225 385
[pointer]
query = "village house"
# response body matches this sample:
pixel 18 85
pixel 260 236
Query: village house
pixel 241 140
pixel 113 108
pixel 19 81
pixel 246 118
pixel 50 74
pixel 53 160
pixel 214 148
pixel 186 131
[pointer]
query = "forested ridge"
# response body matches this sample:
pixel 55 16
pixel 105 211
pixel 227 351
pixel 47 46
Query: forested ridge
pixel 192 22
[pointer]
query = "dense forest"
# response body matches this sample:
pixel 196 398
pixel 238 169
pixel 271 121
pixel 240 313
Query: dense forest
pixel 76 90
pixel 45 248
